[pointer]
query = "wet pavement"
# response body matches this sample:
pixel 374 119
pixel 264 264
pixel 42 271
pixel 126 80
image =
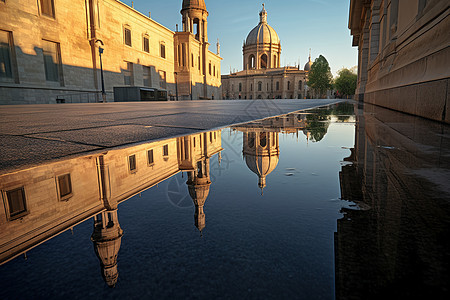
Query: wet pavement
pixel 31 134
pixel 339 202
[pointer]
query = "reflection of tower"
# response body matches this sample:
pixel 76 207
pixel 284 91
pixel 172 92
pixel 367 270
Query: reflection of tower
pixel 198 185
pixel 261 152
pixel 107 237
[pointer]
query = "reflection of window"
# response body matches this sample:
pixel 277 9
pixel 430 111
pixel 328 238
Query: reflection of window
pixel 146 44
pixel 6 69
pixel 263 139
pixel 166 150
pixel 128 74
pixel 251 140
pixel 127 36
pixel 51 52
pixel 48 8
pixel 16 203
pixel 150 157
pixel 162 79
pixel 163 50
pixel 64 186
pixel 147 76
pixel 132 163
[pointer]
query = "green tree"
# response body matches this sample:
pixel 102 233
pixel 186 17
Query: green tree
pixel 320 77
pixel 345 83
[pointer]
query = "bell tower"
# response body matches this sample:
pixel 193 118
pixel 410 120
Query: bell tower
pixel 195 19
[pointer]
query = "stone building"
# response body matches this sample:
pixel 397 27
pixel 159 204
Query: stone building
pixel 404 55
pixel 50 49
pixel 262 77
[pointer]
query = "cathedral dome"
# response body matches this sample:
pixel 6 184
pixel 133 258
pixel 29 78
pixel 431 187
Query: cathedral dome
pixel 308 64
pixel 198 4
pixel 263 33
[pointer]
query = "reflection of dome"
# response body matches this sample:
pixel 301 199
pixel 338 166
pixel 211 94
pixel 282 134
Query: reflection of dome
pixel 199 4
pixel 199 190
pixel 261 166
pixel 263 33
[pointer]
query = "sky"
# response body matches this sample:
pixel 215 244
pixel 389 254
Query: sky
pixel 321 25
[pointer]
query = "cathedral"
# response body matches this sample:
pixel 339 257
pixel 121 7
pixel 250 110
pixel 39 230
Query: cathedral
pixel 63 51
pixel 262 76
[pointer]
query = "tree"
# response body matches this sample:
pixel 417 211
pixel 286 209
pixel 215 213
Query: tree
pixel 345 83
pixel 320 77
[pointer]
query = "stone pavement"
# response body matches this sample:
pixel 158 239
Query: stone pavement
pixel 33 134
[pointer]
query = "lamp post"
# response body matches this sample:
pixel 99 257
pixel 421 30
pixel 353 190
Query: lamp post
pixel 100 52
pixel 176 86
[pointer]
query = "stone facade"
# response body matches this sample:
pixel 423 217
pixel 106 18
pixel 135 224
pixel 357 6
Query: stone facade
pixel 262 77
pixel 404 55
pixel 52 51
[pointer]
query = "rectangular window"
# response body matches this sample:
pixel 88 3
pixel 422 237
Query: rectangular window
pixel 147 76
pixel 16 203
pixel 163 50
pixel 52 61
pixel 162 79
pixel 166 150
pixel 5 55
pixel 48 8
pixel 132 163
pixel 128 74
pixel 146 45
pixel 64 187
pixel 127 36
pixel 150 157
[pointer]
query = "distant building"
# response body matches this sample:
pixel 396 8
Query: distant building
pixel 262 77
pixel 404 55
pixel 50 49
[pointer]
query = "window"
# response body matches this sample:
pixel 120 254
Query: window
pixel 192 59
pixel 162 47
pixel 199 63
pixel 147 76
pixel 210 68
pixel 166 150
pixel 278 85
pixel 300 85
pixel 150 158
pixel 162 79
pixel 127 36
pixel 183 55
pixel 240 87
pixel 128 74
pixel 146 44
pixel 48 8
pixel 260 86
pixel 132 163
pixel 264 61
pixel 52 61
pixel 251 61
pixel 214 72
pixel 289 85
pixel 210 137
pixel 64 187
pixel 251 86
pixel 6 68
pixel 16 203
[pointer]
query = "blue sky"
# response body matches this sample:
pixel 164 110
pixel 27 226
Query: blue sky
pixel 321 25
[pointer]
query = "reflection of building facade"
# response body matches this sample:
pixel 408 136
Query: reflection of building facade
pixel 44 201
pixel 262 77
pixel 404 55
pixel 50 49
pixel 398 235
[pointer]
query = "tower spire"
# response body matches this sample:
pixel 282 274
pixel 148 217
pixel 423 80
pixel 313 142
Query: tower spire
pixel 263 14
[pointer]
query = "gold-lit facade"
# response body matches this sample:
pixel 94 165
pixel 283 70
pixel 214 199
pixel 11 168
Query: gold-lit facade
pixel 50 52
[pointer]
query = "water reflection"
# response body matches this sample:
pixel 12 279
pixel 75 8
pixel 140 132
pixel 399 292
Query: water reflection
pixel 391 231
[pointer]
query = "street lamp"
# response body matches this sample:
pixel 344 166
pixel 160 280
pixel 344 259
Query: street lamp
pixel 176 85
pixel 100 52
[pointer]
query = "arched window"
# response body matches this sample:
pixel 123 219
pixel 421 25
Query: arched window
pixel 263 139
pixel 264 61
pixel 251 140
pixel 259 96
pixel 251 61
pixel 260 86
pixel 196 28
